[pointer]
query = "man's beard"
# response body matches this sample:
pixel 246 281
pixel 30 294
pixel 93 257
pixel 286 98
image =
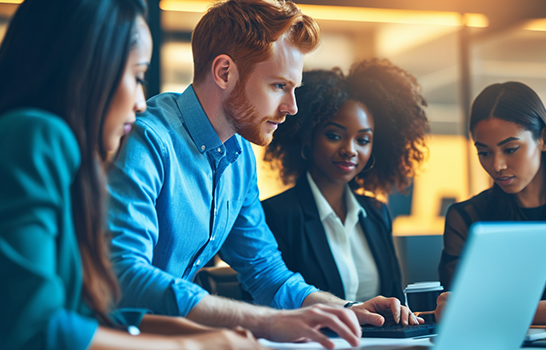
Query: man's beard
pixel 241 114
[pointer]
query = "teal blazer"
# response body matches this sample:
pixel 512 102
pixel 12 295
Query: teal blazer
pixel 40 267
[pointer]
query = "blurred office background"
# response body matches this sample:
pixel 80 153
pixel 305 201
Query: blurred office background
pixel 454 48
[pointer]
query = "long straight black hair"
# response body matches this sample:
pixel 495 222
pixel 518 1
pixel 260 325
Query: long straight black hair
pixel 516 103
pixel 67 57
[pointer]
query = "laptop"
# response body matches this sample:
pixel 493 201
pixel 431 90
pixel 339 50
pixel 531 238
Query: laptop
pixel 496 289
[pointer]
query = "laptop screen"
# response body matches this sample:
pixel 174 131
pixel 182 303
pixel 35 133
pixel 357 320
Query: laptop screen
pixel 496 288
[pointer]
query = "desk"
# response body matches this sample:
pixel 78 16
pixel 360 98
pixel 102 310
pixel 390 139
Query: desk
pixel 365 344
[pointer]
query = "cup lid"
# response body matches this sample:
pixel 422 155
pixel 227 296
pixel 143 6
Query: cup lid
pixel 423 286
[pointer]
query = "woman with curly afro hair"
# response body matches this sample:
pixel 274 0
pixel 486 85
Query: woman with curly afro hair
pixel 354 134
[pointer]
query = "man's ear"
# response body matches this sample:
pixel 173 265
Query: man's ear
pixel 224 72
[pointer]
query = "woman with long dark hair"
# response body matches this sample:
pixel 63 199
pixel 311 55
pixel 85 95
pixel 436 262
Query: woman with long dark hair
pixel 355 134
pixel 507 123
pixel 71 74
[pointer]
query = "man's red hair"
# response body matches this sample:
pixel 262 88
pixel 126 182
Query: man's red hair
pixel 245 30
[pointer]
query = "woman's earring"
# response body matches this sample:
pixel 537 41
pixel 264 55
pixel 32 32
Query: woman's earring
pixel 304 150
pixel 366 168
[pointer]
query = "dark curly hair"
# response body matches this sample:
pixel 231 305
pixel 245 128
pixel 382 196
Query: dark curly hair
pixel 394 100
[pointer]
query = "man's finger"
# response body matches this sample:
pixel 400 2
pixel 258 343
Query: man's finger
pixel 395 309
pixel 348 317
pixel 405 315
pixel 367 317
pixel 321 338
pixel 335 324
pixel 417 320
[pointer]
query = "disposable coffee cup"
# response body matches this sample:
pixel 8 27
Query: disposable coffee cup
pixel 421 296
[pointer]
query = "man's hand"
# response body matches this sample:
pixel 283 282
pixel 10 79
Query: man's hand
pixel 304 325
pixel 379 310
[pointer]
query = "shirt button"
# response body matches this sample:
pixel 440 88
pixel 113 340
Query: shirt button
pixel 203 147
pixel 212 238
pixel 219 150
pixel 198 262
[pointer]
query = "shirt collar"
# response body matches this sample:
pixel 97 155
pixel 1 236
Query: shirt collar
pixel 353 208
pixel 199 127
pixel 324 209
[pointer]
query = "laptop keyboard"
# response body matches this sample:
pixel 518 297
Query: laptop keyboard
pixel 391 331
pixel 399 331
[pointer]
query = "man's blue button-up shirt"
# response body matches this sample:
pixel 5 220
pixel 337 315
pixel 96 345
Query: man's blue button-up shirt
pixel 179 196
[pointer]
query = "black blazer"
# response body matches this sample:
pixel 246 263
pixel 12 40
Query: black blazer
pixel 294 220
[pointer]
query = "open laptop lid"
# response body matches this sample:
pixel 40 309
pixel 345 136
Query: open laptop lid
pixel 497 287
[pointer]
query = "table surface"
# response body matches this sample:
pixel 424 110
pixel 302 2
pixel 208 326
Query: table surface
pixel 342 344
pixel 365 343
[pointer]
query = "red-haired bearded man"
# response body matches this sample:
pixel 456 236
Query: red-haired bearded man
pixel 184 185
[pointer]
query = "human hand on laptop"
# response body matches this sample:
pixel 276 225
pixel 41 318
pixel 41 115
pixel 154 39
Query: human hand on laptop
pixel 305 324
pixel 380 310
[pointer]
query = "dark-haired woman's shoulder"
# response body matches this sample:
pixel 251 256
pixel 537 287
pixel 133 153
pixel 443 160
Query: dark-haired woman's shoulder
pixel 27 134
pixel 470 210
pixel 460 216
pixel 39 159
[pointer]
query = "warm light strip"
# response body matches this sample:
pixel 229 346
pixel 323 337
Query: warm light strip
pixel 184 6
pixel 476 20
pixel 11 1
pixel 536 24
pixel 358 14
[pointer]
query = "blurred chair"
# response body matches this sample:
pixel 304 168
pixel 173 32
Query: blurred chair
pixel 222 281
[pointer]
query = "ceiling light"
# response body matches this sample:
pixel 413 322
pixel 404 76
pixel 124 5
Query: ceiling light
pixel 357 14
pixel 536 24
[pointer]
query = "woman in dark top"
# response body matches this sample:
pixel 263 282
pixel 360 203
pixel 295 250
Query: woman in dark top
pixel 355 134
pixel 71 81
pixel 507 123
